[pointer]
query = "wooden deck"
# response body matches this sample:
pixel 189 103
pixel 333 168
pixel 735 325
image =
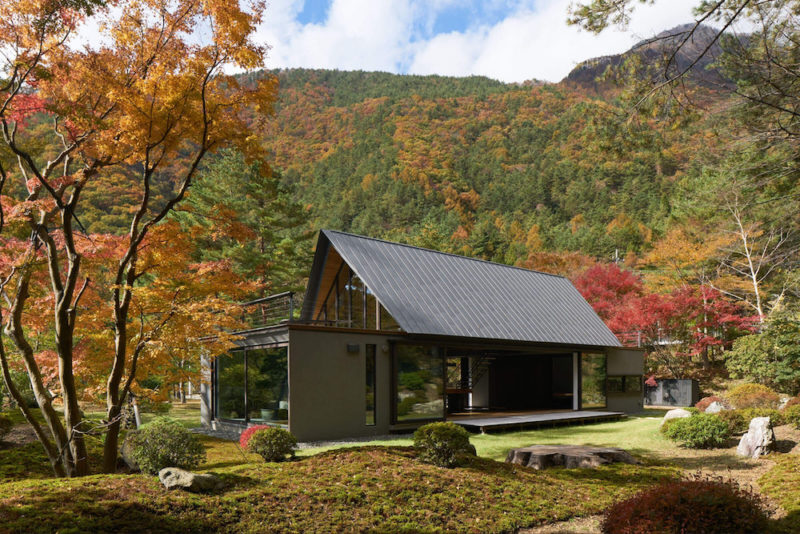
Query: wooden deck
pixel 488 422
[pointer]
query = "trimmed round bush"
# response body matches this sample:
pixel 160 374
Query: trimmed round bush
pixel 701 431
pixel 244 437
pixel 6 424
pixel 791 416
pixel 710 506
pixel 705 402
pixel 273 444
pixel 775 416
pixel 753 396
pixel 736 422
pixel 165 443
pixel 441 444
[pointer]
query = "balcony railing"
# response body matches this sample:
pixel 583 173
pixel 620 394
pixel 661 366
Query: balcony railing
pixel 272 310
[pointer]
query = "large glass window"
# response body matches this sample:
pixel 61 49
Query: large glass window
pixel 370 386
pixel 230 386
pixel 593 381
pixel 357 302
pixel 419 383
pixel 252 385
pixel 268 385
pixel 387 321
pixel 370 310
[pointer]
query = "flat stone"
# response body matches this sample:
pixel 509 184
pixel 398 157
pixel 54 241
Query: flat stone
pixel 677 413
pixel 759 439
pixel 176 478
pixel 569 456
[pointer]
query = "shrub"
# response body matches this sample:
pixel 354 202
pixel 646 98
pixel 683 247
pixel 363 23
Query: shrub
pixel 441 444
pixel 701 431
pixel 6 424
pixel 753 396
pixel 707 505
pixel 244 437
pixel 272 444
pixel 148 405
pixel 736 422
pixel 166 443
pixel 791 416
pixel 705 402
pixel 775 416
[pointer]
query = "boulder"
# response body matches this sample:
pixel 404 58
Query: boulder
pixel 569 456
pixel 715 407
pixel 759 439
pixel 126 452
pixel 176 478
pixel 677 413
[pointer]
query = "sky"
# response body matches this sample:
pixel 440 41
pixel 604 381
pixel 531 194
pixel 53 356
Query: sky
pixel 508 40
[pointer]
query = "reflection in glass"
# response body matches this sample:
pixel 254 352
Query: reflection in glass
pixel 370 312
pixel 387 321
pixel 420 383
pixel 230 386
pixel 268 385
pixel 357 299
pixel 593 381
pixel 370 386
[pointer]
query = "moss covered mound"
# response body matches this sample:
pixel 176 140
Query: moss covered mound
pixel 359 489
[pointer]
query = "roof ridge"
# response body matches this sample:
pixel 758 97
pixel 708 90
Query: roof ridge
pixel 443 253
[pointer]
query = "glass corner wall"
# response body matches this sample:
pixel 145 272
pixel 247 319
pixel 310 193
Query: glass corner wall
pixel 593 380
pixel 253 386
pixel 418 383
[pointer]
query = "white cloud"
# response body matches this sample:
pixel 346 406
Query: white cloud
pixel 533 41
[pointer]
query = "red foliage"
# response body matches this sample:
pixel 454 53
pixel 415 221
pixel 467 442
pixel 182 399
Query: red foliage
pixel 244 438
pixel 708 505
pixel 700 318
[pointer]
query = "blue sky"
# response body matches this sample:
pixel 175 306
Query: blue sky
pixel 509 40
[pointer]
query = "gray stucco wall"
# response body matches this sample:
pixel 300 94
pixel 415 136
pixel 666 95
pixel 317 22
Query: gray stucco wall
pixel 624 361
pixel 327 384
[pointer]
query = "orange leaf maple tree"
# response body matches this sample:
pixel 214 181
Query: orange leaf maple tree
pixel 152 97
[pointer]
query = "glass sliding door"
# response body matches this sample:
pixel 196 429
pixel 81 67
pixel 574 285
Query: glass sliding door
pixel 593 380
pixel 230 386
pixel 419 382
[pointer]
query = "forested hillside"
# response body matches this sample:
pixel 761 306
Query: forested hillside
pixel 471 165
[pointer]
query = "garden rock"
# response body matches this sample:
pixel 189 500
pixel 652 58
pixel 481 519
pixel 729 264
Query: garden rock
pixel 569 456
pixel 126 452
pixel 715 407
pixel 677 413
pixel 176 478
pixel 759 439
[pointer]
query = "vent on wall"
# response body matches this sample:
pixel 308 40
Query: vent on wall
pixel 353 349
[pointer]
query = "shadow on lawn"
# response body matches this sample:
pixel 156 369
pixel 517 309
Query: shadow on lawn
pixel 714 462
pixel 92 510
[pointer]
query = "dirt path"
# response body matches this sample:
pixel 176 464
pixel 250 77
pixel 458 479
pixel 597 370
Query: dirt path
pixel 20 435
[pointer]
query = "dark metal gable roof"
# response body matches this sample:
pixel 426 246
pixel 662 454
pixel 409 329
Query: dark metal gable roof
pixel 435 293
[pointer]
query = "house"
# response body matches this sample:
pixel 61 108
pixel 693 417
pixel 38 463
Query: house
pixel 391 336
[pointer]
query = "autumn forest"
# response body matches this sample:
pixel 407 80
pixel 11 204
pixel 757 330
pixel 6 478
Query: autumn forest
pixel 147 189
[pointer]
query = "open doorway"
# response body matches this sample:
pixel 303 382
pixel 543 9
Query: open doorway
pixel 508 381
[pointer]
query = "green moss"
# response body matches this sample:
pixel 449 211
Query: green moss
pixel 360 489
pixel 782 484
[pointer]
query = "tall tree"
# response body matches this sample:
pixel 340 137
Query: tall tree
pixel 154 97
pixel 244 213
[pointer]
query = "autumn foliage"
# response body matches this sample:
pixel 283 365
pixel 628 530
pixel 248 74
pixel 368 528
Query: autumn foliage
pixel 87 314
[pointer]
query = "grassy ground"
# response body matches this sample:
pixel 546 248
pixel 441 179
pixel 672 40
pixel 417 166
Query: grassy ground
pixel 380 487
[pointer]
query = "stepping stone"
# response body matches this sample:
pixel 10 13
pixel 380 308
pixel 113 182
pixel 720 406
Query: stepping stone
pixel 570 456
